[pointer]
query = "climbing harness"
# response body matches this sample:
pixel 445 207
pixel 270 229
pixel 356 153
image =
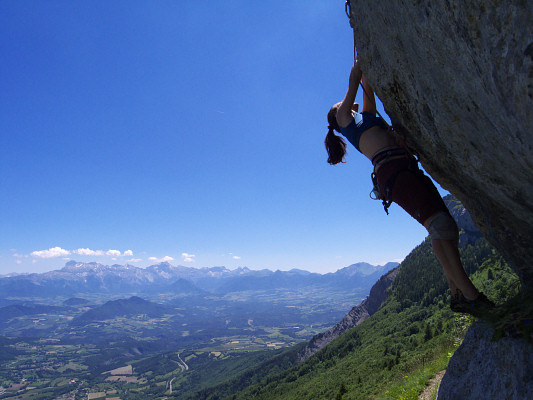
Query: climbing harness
pixel 381 158
pixel 388 154
pixel 384 157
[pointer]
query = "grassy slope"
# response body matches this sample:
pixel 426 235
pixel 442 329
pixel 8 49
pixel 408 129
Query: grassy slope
pixel 395 352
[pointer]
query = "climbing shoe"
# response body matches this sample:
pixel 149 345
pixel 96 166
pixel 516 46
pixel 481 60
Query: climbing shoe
pixel 478 307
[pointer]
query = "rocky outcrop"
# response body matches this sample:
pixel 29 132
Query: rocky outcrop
pixel 483 369
pixel 458 78
pixel 358 314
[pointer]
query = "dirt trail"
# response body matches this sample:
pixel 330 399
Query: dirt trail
pixel 432 386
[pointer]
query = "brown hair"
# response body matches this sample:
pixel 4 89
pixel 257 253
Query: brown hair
pixel 335 145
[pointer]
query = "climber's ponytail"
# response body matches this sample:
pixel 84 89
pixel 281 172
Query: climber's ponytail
pixel 335 145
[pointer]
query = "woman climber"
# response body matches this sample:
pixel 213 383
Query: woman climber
pixel 399 180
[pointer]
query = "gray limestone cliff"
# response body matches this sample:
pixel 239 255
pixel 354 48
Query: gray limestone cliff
pixel 480 356
pixel 456 78
pixel 378 294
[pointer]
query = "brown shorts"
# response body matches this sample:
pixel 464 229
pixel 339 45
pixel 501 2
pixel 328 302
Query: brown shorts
pixel 411 189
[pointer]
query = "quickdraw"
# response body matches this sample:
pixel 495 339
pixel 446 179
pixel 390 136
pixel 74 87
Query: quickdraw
pixel 348 9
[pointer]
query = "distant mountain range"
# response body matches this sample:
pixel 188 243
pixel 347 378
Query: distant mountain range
pixel 25 308
pixel 77 278
pixel 122 308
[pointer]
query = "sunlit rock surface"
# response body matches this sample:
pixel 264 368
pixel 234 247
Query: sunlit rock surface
pixel 458 76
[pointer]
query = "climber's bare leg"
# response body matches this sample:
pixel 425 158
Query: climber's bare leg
pixel 452 286
pixel 448 255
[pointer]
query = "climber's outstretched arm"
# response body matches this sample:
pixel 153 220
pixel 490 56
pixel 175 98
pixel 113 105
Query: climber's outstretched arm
pixel 369 99
pixel 344 113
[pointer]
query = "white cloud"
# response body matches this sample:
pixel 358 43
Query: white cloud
pixel 18 262
pixel 59 252
pixel 88 252
pixel 111 253
pixel 188 257
pixel 51 253
pixel 232 256
pixel 135 260
pixel 164 259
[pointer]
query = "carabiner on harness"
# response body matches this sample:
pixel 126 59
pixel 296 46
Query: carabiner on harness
pixel 375 194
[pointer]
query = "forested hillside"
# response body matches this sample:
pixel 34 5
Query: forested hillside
pixel 395 352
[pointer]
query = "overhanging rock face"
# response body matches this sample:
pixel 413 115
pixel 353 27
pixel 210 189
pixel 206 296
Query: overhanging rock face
pixel 458 76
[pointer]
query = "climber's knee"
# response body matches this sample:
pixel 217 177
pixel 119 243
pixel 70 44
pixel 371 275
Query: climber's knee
pixel 443 226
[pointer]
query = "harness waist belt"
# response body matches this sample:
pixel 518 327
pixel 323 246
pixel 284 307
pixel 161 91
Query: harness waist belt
pixel 385 154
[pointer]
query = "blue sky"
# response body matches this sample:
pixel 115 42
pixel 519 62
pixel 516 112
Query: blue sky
pixel 187 131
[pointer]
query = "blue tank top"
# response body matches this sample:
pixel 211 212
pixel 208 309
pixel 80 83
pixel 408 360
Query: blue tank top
pixel 360 123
